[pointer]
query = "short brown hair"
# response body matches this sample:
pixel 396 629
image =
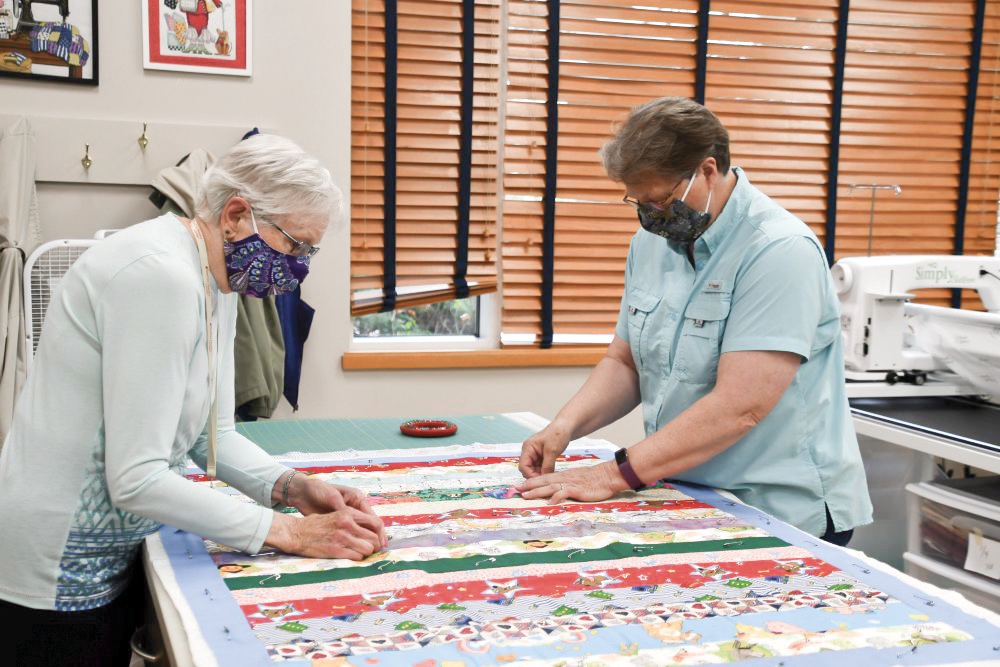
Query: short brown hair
pixel 668 136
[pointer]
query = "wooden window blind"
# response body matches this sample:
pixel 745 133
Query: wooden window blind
pixel 904 109
pixel 612 56
pixel 905 105
pixel 770 80
pixel 428 152
pixel 984 176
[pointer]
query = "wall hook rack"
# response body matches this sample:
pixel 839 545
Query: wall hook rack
pixel 143 139
pixel 86 161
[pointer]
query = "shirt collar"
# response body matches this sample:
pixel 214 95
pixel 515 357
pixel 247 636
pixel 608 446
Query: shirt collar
pixel 733 211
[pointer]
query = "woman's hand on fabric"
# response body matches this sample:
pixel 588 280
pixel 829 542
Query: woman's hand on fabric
pixel 355 498
pixel 314 496
pixel 311 495
pixel 590 484
pixel 540 451
pixel 344 533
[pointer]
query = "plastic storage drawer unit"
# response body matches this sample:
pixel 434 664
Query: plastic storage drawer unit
pixel 949 517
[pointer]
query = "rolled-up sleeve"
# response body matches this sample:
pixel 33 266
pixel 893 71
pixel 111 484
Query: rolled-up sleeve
pixel 778 299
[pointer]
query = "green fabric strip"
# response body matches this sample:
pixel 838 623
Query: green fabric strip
pixel 612 552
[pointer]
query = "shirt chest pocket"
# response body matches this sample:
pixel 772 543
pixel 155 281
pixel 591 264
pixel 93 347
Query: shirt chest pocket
pixel 641 304
pixel 698 349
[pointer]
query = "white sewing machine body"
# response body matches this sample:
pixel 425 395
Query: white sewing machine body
pixel 888 338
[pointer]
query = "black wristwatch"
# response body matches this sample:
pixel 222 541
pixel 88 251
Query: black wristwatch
pixel 625 468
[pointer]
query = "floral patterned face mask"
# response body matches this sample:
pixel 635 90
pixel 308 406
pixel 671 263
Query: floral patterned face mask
pixel 678 221
pixel 256 269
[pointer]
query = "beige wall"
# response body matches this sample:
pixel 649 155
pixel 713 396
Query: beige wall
pixel 300 88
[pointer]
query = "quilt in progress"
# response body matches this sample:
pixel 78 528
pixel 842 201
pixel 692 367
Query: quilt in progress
pixel 475 575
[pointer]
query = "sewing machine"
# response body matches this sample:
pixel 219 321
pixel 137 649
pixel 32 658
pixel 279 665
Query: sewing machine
pixel 889 340
pixel 916 378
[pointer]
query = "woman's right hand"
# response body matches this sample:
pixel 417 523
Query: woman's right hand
pixel 344 533
pixel 540 451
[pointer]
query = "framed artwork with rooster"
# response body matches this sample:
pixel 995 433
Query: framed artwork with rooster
pixel 203 36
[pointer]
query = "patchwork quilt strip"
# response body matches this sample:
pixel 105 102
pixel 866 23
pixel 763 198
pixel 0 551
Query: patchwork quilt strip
pixel 475 575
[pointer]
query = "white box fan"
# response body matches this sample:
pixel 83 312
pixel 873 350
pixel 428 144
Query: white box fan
pixel 43 270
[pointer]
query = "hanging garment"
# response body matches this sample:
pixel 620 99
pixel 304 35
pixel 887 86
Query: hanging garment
pixel 259 348
pixel 260 358
pixel 19 235
pixel 179 183
pixel 296 319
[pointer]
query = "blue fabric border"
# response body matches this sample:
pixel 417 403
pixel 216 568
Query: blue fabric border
pixel 984 646
pixel 222 623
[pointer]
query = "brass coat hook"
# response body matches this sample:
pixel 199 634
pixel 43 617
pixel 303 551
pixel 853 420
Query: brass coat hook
pixel 143 139
pixel 86 161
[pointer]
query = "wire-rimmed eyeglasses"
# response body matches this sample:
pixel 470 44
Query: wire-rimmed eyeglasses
pixel 299 248
pixel 660 205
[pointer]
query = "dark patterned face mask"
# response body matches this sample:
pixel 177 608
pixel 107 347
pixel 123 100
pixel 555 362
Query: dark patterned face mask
pixel 257 269
pixel 678 221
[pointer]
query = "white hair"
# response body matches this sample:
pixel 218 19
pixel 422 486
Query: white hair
pixel 275 176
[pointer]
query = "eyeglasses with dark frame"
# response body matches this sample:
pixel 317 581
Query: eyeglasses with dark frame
pixel 661 205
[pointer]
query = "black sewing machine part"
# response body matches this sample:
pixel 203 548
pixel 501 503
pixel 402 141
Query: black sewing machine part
pixel 26 18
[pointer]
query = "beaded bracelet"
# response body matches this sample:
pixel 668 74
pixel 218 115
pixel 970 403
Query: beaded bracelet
pixel 284 488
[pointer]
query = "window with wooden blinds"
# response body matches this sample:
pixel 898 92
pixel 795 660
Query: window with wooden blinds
pixel 423 151
pixel 818 97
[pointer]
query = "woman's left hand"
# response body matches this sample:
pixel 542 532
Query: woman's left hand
pixel 313 496
pixel 591 484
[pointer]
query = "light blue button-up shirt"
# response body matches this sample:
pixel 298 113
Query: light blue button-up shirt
pixel 759 282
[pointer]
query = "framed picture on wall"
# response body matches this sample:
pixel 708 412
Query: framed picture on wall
pixel 53 40
pixel 204 36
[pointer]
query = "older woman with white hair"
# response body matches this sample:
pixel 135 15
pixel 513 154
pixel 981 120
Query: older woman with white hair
pixel 138 334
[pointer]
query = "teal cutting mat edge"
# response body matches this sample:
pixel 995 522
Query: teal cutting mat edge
pixel 313 436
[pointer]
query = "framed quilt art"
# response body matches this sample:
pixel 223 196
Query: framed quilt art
pixel 50 40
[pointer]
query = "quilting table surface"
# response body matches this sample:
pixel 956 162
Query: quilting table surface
pixel 283 436
pixel 477 576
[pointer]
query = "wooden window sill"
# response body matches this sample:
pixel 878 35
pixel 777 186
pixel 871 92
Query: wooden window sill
pixel 505 358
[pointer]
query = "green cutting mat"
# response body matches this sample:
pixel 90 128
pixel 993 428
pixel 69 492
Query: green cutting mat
pixel 330 435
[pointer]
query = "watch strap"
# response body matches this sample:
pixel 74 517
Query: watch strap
pixel 626 470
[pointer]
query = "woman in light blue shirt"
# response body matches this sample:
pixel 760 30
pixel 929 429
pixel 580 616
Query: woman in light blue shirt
pixel 728 336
